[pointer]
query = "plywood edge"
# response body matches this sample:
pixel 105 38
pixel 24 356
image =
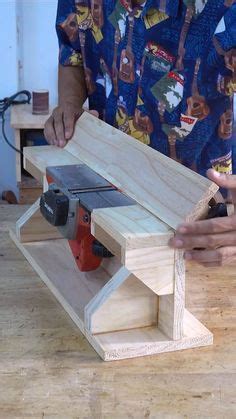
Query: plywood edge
pixel 116 280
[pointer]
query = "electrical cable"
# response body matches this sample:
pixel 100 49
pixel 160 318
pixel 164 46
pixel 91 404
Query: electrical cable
pixel 5 105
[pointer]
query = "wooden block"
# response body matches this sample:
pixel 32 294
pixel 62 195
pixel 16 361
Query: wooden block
pixel 166 188
pixel 33 170
pixel 154 266
pixel 123 303
pixel 29 190
pixel 22 118
pixel 40 157
pixel 32 226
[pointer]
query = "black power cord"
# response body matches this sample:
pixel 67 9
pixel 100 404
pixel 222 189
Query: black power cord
pixel 5 104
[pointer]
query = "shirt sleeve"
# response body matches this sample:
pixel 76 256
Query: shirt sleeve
pixel 68 34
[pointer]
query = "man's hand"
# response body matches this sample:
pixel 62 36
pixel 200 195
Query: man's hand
pixel 210 242
pixel 59 127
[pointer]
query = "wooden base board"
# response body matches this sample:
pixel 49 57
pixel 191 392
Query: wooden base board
pixel 113 345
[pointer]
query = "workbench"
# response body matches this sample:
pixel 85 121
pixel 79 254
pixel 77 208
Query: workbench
pixel 22 120
pixel 49 370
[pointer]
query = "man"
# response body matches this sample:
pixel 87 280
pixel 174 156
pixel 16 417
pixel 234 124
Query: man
pixel 163 71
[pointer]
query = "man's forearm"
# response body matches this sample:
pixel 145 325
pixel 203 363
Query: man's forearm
pixel 71 86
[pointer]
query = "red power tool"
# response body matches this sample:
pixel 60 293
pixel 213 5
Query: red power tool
pixel 74 192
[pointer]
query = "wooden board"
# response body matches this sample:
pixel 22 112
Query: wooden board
pixel 40 157
pixel 132 227
pixel 29 190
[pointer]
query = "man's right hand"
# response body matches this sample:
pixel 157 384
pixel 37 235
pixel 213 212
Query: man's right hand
pixel 59 127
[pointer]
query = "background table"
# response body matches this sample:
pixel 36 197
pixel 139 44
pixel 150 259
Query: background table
pixel 48 369
pixel 23 120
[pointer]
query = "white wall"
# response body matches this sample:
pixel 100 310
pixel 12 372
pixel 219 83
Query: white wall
pixel 8 85
pixel 38 43
pixel 28 51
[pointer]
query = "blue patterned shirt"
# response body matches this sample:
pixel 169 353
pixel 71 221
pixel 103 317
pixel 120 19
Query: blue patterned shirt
pixel 163 71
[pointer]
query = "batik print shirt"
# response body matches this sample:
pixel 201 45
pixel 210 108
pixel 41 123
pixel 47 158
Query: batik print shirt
pixel 163 71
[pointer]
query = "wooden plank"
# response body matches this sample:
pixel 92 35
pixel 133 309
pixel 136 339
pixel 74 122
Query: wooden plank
pixel 29 190
pixel 22 118
pixel 18 155
pixel 33 170
pixel 32 226
pixel 167 189
pixel 171 307
pixel 41 157
pixel 132 227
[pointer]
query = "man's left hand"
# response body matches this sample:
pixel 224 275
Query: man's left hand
pixel 210 242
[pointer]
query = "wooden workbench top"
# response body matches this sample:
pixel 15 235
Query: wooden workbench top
pixel 49 370
pixel 22 118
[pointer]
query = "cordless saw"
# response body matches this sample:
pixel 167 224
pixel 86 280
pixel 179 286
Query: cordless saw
pixel 74 192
